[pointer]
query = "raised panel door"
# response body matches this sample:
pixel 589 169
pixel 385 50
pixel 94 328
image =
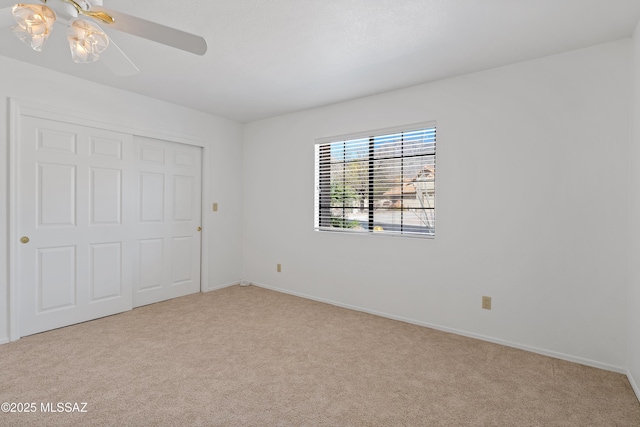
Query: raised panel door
pixel 78 216
pixel 168 220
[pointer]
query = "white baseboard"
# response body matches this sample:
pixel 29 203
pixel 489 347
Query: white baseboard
pixel 634 385
pixel 216 287
pixel 5 341
pixel 544 352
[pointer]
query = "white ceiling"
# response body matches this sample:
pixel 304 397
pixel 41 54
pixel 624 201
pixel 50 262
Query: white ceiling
pixel 270 57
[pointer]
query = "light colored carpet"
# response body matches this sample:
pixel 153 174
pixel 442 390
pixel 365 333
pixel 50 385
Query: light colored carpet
pixel 254 357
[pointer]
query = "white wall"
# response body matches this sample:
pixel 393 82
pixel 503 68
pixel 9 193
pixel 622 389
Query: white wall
pixel 634 257
pixel 531 196
pixel 26 82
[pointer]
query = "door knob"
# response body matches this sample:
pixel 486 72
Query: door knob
pixel 24 239
pixel 199 228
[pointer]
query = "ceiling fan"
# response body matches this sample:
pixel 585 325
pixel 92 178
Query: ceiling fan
pixel 32 23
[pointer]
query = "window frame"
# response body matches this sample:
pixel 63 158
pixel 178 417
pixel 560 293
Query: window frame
pixel 371 135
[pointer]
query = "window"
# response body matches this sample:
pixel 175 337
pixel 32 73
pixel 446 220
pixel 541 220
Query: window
pixel 381 183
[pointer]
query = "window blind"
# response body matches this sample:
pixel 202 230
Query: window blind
pixel 382 183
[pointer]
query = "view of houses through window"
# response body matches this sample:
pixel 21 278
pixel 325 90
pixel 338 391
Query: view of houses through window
pixel 380 183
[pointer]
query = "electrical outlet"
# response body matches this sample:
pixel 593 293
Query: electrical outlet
pixel 215 207
pixel 486 303
pixel 279 268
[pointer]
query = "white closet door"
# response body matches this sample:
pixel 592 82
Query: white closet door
pixel 76 211
pixel 169 181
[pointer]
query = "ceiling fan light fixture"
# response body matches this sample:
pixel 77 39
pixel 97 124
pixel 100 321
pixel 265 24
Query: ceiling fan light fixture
pixel 86 41
pixel 34 24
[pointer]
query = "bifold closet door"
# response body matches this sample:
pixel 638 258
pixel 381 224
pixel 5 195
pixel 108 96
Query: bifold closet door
pixel 75 223
pixel 168 233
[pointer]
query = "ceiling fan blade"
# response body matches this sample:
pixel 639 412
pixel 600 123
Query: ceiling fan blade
pixel 156 32
pixel 6 17
pixel 117 62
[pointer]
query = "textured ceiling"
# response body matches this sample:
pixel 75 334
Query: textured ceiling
pixel 270 57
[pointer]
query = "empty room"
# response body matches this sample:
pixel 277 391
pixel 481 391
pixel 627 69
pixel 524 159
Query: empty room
pixel 320 213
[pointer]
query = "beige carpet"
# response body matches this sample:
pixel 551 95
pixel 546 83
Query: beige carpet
pixel 253 357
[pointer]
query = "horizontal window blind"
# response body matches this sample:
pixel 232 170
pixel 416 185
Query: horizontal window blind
pixel 380 183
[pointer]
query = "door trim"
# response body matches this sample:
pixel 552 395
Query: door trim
pixel 18 108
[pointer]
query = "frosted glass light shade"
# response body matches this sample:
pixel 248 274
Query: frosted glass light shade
pixel 86 41
pixel 34 24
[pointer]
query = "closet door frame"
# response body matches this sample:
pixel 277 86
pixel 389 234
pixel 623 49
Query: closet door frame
pixel 19 108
